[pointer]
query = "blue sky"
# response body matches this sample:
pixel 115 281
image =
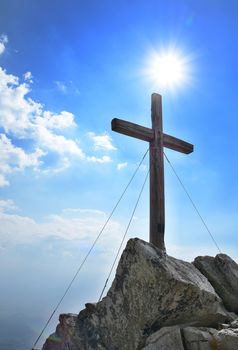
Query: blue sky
pixel 68 68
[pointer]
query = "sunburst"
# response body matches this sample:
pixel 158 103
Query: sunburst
pixel 167 69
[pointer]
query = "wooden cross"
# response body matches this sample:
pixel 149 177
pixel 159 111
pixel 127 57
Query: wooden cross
pixel 158 140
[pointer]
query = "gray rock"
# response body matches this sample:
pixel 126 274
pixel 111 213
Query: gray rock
pixel 150 291
pixel 222 273
pixel 200 338
pixel 61 339
pixel 166 338
pixel 208 338
pixel 192 338
pixel 234 324
pixel 229 339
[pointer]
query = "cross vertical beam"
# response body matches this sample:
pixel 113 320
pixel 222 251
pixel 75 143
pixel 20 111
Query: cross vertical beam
pixel 158 140
pixel 157 206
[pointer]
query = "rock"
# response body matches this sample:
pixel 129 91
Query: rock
pixel 166 338
pixel 189 338
pixel 192 338
pixel 208 338
pixel 229 339
pixel 201 338
pixel 222 273
pixel 234 324
pixel 61 339
pixel 150 291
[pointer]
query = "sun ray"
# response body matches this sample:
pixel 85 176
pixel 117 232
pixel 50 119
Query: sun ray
pixel 168 69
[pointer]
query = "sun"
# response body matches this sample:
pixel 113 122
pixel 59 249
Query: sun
pixel 167 69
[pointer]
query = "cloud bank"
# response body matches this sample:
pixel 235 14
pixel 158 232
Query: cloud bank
pixel 24 120
pixel 82 225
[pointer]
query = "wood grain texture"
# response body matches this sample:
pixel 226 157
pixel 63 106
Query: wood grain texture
pixel 158 140
pixel 177 144
pixel 157 206
pixel 133 130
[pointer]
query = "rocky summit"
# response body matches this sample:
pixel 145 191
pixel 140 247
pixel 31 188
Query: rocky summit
pixel 157 302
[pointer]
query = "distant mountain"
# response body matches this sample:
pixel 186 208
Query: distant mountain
pixel 16 333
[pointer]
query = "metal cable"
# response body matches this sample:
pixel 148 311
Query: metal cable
pixel 123 238
pixel 90 250
pixel 193 204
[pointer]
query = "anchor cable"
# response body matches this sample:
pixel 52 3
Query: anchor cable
pixel 124 236
pixel 89 252
pixel 192 202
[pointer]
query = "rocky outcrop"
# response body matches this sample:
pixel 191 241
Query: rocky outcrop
pixel 152 297
pixel 61 339
pixel 193 338
pixel 222 273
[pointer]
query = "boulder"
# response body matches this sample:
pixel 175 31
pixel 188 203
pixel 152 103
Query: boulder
pixel 210 339
pixel 150 291
pixel 200 339
pixel 222 273
pixel 192 338
pixel 229 339
pixel 167 338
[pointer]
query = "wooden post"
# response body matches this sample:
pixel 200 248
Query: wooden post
pixel 157 140
pixel 157 207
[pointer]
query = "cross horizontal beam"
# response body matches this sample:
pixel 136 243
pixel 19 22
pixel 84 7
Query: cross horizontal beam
pixel 133 130
pixel 147 134
pixel 177 144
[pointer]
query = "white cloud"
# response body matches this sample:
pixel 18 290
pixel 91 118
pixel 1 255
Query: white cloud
pixel 104 159
pixel 3 181
pixel 102 141
pixel 57 143
pixel 62 166
pixel 67 87
pixel 60 121
pixel 20 116
pixel 14 159
pixel 3 42
pixel 23 118
pixel 16 229
pixel 28 77
pixel 61 86
pixel 121 166
pixel 70 224
pixel 7 205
